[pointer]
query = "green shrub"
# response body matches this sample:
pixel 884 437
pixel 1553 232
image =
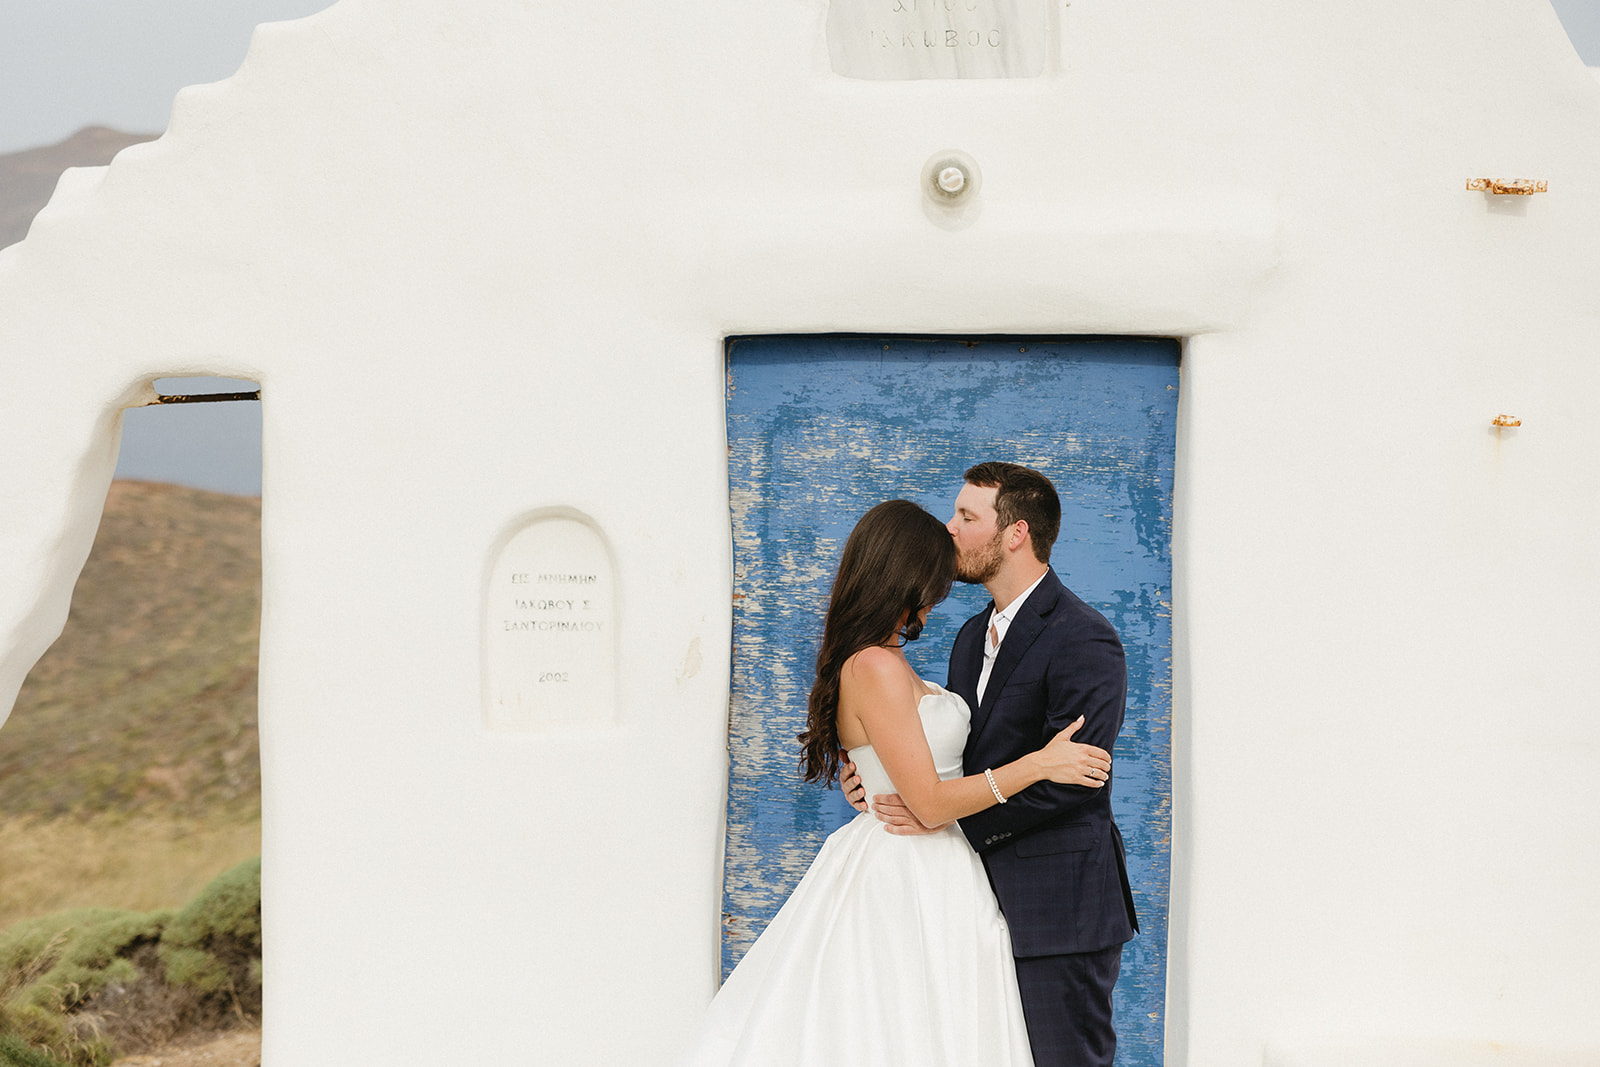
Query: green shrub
pixel 195 969
pixel 53 965
pixel 229 909
pixel 76 984
pixel 62 960
pixel 15 1052
pixel 214 943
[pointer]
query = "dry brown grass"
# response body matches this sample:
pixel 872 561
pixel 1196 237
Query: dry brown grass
pixel 147 702
pixel 129 776
pixel 141 863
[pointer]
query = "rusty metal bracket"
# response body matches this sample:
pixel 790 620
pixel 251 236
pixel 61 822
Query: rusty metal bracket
pixel 200 398
pixel 1507 420
pixel 1508 186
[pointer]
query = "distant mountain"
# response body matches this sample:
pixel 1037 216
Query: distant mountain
pixel 28 178
pixel 147 702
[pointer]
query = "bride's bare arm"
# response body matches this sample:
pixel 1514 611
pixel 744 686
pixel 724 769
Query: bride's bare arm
pixel 880 693
pixel 897 818
pixel 1091 761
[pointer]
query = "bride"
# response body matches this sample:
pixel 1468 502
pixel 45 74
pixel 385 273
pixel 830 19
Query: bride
pixel 891 950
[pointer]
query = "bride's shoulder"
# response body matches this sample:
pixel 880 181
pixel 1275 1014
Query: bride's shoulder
pixel 879 690
pixel 873 663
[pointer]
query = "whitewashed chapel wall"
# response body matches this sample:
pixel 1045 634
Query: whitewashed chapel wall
pixel 482 256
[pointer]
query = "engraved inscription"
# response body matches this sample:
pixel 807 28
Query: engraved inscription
pixel 926 39
pixel 889 40
pixel 548 620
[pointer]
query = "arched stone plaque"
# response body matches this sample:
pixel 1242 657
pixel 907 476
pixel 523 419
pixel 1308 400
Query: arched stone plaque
pixel 549 627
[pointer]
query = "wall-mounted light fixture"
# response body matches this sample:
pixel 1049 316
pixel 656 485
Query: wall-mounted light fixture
pixel 950 184
pixel 951 177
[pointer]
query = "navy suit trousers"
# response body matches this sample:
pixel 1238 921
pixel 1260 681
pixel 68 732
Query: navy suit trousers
pixel 1067 1003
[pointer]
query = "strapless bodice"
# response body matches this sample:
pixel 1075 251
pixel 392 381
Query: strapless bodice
pixel 945 722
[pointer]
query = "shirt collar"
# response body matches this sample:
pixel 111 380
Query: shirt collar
pixel 1002 619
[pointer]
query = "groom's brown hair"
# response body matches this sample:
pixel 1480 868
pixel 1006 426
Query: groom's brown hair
pixel 1024 494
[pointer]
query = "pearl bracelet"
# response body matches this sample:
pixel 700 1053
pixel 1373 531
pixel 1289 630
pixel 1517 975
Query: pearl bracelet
pixel 990 775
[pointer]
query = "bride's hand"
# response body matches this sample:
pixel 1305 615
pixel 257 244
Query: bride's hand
pixel 1071 763
pixel 897 817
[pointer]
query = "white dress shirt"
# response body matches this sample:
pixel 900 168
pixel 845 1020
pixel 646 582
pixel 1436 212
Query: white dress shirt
pixel 995 633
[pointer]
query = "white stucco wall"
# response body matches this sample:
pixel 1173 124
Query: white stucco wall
pixel 482 256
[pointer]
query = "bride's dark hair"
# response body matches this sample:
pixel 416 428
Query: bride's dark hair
pixel 898 560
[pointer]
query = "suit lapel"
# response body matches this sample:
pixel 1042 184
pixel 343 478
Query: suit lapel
pixel 1023 632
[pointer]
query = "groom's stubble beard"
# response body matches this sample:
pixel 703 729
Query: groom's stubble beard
pixel 977 567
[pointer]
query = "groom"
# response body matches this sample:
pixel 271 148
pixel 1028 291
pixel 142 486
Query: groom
pixel 1028 666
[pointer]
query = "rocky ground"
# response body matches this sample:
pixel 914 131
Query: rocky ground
pixel 241 1048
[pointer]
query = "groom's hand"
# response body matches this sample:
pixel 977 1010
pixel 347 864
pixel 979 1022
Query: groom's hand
pixel 849 781
pixel 897 818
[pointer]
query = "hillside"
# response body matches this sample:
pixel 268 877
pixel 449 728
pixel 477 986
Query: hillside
pixel 28 178
pixel 146 705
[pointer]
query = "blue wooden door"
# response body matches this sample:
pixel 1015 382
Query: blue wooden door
pixel 820 428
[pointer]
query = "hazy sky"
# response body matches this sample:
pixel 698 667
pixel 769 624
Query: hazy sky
pixel 205 446
pixel 66 64
pixel 1582 20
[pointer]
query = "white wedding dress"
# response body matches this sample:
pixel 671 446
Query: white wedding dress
pixel 891 950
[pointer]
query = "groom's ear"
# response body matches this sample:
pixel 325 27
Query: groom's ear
pixel 1017 536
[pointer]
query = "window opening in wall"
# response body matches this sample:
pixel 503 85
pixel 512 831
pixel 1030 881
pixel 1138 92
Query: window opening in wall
pixel 129 773
pixel 204 433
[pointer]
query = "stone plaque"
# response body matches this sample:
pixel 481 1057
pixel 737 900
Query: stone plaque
pixel 901 40
pixel 550 628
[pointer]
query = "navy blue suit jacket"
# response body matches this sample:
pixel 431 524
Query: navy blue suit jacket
pixel 1054 854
